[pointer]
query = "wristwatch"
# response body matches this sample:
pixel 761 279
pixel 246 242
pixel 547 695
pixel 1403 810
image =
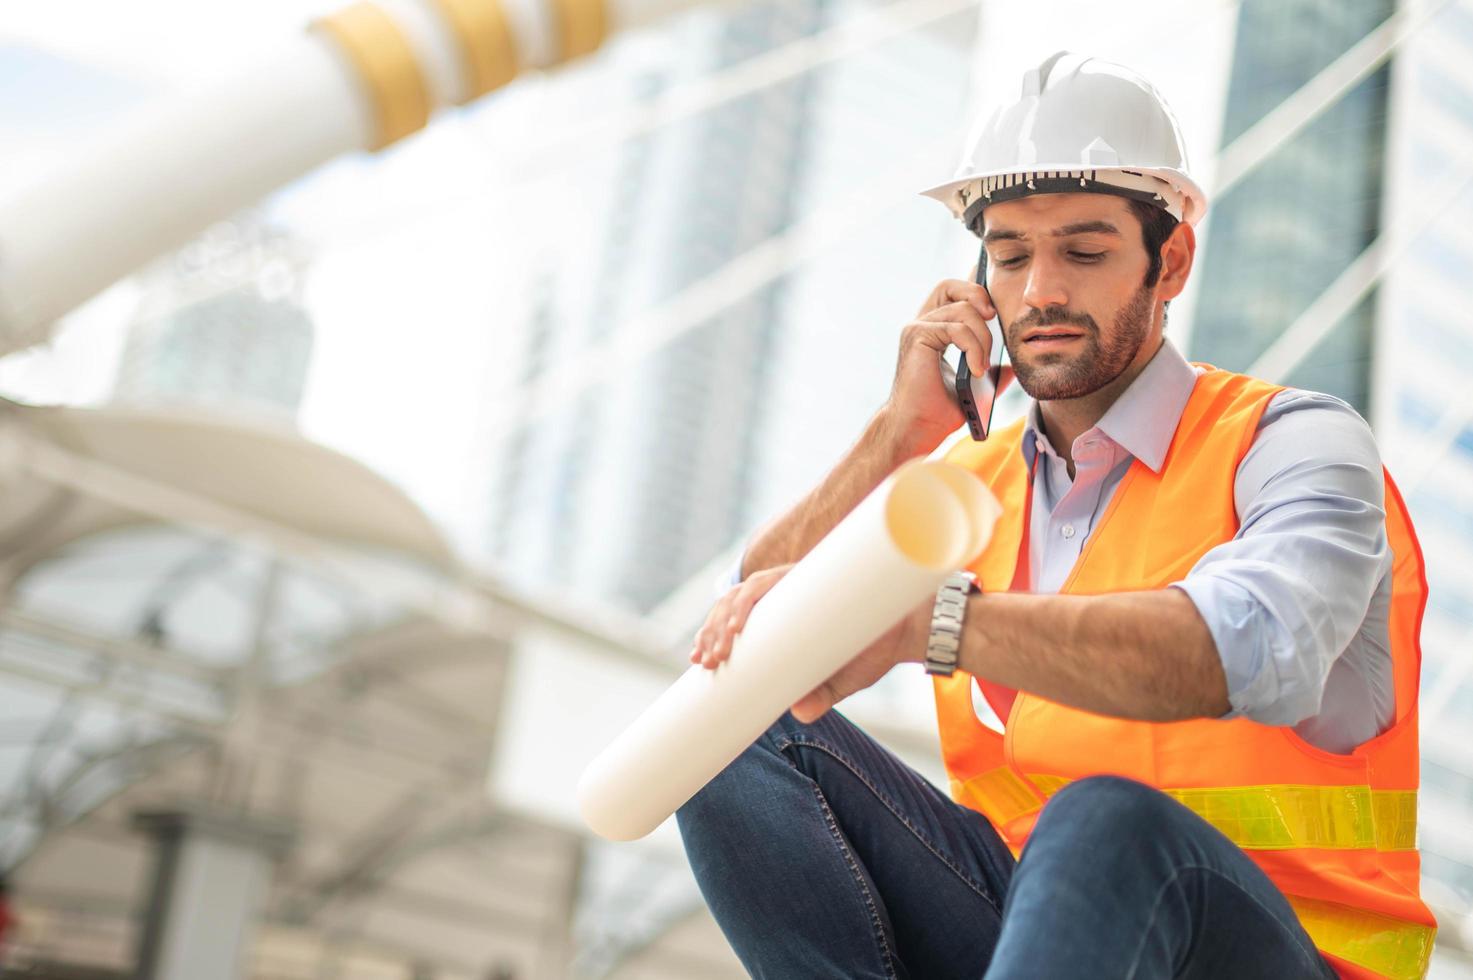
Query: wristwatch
pixel 946 623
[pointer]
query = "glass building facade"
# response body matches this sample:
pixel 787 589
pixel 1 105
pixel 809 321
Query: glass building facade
pixel 649 475
pixel 1382 167
pixel 1424 415
pixel 1284 233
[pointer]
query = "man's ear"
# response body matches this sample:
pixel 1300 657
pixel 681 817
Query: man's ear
pixel 1177 253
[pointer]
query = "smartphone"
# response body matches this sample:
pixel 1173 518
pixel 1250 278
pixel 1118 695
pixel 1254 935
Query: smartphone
pixel 976 393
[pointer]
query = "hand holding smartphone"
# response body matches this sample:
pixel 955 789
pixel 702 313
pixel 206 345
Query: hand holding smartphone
pixel 976 394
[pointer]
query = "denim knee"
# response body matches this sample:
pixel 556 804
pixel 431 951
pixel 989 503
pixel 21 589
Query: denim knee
pixel 1106 810
pixel 742 777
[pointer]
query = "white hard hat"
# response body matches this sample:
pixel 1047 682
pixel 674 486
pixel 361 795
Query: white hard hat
pixel 1082 124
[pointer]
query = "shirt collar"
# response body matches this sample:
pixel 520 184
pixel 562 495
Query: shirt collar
pixel 1144 417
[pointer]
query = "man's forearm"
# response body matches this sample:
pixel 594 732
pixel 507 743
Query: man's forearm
pixel 1142 655
pixel 882 447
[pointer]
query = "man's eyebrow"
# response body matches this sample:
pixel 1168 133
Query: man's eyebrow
pixel 1084 227
pixel 1078 228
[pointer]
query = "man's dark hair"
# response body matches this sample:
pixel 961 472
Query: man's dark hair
pixel 1157 224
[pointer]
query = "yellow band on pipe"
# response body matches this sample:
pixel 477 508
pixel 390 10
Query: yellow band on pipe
pixel 386 63
pixel 486 43
pixel 582 24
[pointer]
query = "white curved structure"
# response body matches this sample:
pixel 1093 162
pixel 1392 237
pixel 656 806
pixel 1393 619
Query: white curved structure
pixel 359 79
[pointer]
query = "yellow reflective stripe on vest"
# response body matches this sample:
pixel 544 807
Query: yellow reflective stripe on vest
pixel 1396 819
pixel 1000 794
pixel 1280 818
pixel 1386 945
pixel 1259 818
pixel 1266 818
pixel 1283 817
pixel 1049 785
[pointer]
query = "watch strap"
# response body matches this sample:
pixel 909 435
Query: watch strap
pixel 948 615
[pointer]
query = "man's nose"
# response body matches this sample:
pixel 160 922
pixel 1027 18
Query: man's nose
pixel 1045 286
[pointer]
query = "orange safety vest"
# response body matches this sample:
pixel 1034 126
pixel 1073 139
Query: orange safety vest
pixel 1336 833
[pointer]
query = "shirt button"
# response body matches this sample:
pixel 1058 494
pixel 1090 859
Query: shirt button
pixel 1067 530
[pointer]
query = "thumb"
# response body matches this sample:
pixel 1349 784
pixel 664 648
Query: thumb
pixel 814 705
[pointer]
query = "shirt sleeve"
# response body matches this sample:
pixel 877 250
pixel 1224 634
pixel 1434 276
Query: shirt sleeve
pixel 1285 597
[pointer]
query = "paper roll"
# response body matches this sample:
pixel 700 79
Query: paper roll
pixel 890 554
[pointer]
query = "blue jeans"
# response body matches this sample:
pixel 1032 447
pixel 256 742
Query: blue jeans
pixel 822 855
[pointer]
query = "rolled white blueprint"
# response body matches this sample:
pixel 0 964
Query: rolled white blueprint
pixel 926 520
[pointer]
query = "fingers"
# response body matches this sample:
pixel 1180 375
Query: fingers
pixel 935 299
pixel 710 631
pixel 959 324
pixel 959 291
pixel 958 301
pixel 728 617
pixel 742 604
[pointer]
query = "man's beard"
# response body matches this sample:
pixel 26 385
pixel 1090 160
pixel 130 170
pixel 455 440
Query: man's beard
pixel 1054 376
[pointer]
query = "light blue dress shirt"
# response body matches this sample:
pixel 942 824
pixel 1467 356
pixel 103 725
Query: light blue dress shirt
pixel 1298 601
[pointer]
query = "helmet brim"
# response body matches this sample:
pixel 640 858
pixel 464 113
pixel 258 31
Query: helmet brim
pixel 1194 198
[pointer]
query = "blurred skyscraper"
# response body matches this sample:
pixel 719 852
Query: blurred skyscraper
pixel 640 481
pixel 1423 409
pixel 646 478
pixel 222 324
pixel 1362 175
pixel 1282 235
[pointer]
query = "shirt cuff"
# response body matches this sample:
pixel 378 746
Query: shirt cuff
pixel 1241 641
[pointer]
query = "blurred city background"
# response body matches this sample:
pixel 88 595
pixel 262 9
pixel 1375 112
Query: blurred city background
pixel 334 543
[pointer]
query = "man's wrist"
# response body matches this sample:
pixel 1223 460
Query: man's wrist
pixel 948 617
pixel 895 440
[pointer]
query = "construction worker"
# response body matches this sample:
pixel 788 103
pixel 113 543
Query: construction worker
pixel 1198 618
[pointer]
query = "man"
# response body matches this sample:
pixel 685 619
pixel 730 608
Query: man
pixel 1198 617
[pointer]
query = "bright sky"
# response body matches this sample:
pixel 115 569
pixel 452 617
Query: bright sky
pixel 163 42
pixel 399 374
